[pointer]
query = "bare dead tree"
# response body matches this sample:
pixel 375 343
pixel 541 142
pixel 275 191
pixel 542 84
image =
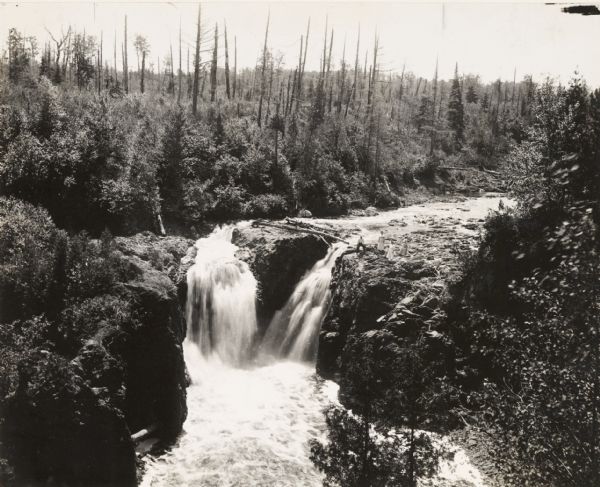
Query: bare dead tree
pixel 512 99
pixel 264 67
pixel 227 87
pixel 300 74
pixel 434 82
pixel 142 48
pixel 100 64
pixel 115 59
pixel 196 65
pixel 234 65
pixel 125 62
pixel 213 66
pixel 296 86
pixel 60 45
pixel 355 83
pixel 327 78
pixel 373 79
pixel 171 87
pixel 342 79
pixel 179 74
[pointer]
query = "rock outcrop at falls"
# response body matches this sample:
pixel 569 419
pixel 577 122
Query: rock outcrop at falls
pixel 390 301
pixel 278 259
pixel 156 379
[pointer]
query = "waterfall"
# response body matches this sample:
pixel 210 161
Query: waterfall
pixel 294 330
pixel 221 306
pixel 221 300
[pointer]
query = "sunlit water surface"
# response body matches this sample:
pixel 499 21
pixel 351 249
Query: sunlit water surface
pixel 246 427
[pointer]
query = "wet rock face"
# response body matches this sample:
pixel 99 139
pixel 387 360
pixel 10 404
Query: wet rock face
pixel 278 260
pixel 152 352
pixel 366 289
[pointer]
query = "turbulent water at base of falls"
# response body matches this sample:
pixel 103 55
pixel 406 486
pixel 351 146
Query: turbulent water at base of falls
pixel 294 330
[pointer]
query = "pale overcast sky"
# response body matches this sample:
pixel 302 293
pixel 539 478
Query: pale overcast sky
pixel 489 39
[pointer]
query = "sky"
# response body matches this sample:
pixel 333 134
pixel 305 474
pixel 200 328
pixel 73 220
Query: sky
pixel 489 39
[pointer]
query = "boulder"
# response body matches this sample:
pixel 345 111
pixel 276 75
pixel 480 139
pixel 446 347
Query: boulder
pixel 278 259
pixel 305 214
pixel 365 288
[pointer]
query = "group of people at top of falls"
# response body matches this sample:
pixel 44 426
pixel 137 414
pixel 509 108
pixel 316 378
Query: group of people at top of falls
pixel 381 246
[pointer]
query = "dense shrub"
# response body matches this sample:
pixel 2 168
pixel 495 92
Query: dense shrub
pixel 527 314
pixel 266 205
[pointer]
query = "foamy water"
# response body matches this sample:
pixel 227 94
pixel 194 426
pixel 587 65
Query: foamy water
pixel 246 427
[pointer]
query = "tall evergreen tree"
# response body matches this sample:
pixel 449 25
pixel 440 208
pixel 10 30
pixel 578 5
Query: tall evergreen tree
pixel 471 96
pixel 456 111
pixel 485 102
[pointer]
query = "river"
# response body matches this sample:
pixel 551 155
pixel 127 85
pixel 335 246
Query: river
pixel 253 406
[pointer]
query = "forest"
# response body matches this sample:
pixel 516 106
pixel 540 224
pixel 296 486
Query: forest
pixel 209 142
pixel 95 147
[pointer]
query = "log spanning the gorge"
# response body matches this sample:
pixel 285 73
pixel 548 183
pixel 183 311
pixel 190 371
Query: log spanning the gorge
pixel 297 226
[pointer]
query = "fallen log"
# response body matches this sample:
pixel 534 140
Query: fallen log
pixel 455 168
pixel 311 226
pixel 144 433
pixel 291 228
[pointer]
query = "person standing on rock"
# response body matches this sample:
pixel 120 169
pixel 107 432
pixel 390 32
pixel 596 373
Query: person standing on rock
pixel 390 252
pixel 404 247
pixel 381 242
pixel 360 246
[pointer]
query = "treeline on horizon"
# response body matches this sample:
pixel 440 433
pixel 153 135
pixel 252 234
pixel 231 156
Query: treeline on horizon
pixel 214 142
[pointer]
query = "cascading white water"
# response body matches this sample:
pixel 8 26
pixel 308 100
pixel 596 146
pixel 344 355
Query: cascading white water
pixel 221 301
pixel 294 330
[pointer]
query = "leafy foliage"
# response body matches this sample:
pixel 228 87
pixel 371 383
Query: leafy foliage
pixel 391 393
pixel 343 458
pixel 532 322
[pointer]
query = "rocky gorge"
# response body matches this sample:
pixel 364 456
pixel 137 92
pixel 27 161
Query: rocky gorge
pixel 127 372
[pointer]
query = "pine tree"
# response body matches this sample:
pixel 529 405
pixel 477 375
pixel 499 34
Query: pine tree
pixel 423 117
pixel 471 95
pixel 485 102
pixel 456 111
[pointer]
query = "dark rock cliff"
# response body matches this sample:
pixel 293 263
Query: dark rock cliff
pixel 153 355
pixel 79 384
pixel 371 292
pixel 404 297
